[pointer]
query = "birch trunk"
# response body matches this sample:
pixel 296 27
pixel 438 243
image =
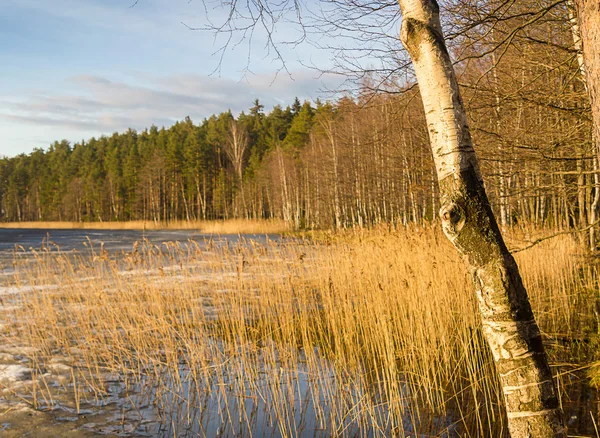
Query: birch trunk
pixel 467 220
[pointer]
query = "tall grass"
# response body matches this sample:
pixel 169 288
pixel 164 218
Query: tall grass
pixel 360 333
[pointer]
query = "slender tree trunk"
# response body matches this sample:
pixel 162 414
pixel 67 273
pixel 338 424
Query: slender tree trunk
pixel 328 127
pixel 467 220
pixel 588 17
pixel 286 203
pixel 502 195
pixel 594 207
pixel 582 218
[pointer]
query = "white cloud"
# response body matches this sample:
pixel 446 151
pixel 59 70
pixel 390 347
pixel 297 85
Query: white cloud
pixel 96 105
pixel 120 45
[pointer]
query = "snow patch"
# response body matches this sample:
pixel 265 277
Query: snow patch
pixel 59 367
pixel 14 373
pixel 12 290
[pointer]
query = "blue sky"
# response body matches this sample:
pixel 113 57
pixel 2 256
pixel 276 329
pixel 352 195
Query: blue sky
pixel 73 69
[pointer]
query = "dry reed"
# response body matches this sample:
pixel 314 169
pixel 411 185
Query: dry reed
pixel 353 334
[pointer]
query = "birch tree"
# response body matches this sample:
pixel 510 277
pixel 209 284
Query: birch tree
pixel 236 147
pixel 467 220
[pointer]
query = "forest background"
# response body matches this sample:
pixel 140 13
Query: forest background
pixel 359 160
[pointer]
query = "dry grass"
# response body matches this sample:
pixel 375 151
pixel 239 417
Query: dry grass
pixel 360 333
pixel 230 226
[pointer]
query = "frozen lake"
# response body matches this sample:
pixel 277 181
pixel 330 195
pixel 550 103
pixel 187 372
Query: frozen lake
pixel 20 242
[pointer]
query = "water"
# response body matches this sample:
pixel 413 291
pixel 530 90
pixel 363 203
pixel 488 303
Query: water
pixel 18 243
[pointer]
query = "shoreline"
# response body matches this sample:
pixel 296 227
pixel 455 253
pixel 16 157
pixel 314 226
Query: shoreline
pixel 229 226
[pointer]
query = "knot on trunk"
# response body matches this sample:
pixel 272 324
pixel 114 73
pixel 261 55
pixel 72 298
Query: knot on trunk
pixel 453 219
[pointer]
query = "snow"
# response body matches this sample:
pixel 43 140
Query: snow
pixel 14 373
pixel 12 290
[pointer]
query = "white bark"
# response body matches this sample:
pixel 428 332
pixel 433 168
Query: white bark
pixel 576 32
pixel 467 220
pixel 236 147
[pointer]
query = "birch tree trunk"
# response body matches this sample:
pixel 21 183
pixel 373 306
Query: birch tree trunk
pixel 467 220
pixel 588 17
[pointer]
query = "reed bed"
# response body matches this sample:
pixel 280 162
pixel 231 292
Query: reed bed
pixel 360 333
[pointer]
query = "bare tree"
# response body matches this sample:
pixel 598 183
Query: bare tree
pixel 236 147
pixel 467 220
pixel 588 17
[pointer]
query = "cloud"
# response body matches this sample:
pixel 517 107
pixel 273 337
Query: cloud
pixel 99 104
pixel 121 46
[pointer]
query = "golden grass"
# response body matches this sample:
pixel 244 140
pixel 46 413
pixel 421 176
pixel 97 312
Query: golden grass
pixel 230 226
pixel 366 332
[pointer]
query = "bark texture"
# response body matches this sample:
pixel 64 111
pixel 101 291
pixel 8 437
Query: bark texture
pixel 588 17
pixel 467 220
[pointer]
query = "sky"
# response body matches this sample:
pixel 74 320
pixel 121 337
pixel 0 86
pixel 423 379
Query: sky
pixel 74 69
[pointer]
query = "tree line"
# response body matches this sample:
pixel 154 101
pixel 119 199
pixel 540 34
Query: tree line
pixel 359 160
